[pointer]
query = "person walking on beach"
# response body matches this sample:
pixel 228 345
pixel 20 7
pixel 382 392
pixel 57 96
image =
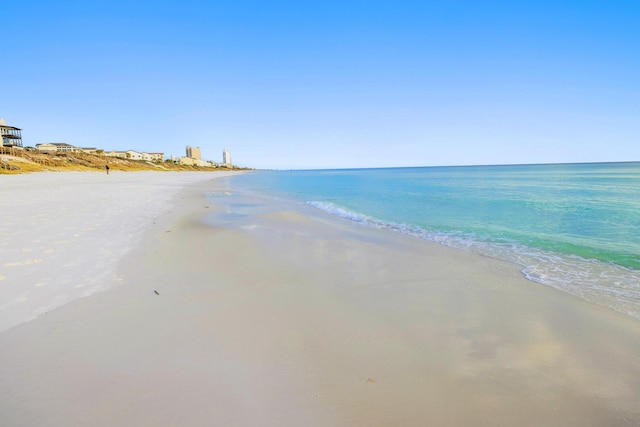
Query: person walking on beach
pixel 107 168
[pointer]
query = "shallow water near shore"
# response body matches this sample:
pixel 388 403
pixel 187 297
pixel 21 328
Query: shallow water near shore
pixel 574 227
pixel 471 341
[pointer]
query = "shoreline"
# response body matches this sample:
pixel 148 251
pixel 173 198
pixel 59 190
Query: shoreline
pixel 268 313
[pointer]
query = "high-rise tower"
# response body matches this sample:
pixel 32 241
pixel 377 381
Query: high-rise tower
pixel 226 157
pixel 194 153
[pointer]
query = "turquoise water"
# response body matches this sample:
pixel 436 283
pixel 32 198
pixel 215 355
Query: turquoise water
pixel 575 227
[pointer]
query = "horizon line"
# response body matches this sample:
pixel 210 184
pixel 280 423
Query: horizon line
pixel 450 166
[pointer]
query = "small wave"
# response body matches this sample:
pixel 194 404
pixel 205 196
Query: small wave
pixel 342 212
pixel 598 282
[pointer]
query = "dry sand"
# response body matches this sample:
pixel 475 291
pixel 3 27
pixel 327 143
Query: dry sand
pixel 62 235
pixel 238 310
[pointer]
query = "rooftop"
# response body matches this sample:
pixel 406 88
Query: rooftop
pixel 4 124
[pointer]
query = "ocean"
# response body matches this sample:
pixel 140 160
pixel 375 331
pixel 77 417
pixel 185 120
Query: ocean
pixel 574 227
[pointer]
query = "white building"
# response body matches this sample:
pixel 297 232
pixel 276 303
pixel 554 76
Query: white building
pixel 136 155
pixel 157 157
pixel 56 147
pixel 196 162
pixel 119 154
pixel 226 157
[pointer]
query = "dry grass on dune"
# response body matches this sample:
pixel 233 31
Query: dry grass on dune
pixel 14 161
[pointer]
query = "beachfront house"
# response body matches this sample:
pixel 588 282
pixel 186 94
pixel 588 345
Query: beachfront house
pixel 56 147
pixel 129 154
pixel 195 162
pixel 136 155
pixel 119 154
pixel 157 157
pixel 60 147
pixel 11 135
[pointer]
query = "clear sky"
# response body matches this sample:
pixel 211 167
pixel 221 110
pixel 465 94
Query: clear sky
pixel 324 84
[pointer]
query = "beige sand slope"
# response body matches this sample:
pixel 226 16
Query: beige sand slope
pixel 239 310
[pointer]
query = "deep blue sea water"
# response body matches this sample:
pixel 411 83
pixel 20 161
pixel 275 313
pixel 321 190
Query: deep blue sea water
pixel 575 227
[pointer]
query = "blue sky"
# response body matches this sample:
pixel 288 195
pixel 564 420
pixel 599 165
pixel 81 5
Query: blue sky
pixel 286 84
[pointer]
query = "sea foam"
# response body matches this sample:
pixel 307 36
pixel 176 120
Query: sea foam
pixel 598 282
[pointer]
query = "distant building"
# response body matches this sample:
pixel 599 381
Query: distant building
pixel 195 162
pixel 157 157
pixel 118 154
pixel 194 153
pixel 56 147
pixel 11 136
pixel 135 155
pixel 61 147
pixel 47 148
pixel 226 157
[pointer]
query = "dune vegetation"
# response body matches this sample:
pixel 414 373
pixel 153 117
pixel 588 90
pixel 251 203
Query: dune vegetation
pixel 17 160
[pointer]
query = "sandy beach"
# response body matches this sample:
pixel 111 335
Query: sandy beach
pixel 63 234
pixel 171 299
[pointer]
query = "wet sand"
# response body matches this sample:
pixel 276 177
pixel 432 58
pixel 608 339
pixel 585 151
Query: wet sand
pixel 240 310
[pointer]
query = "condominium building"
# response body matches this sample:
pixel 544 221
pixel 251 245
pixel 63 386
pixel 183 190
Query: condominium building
pixel 226 157
pixel 194 153
pixel 136 155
